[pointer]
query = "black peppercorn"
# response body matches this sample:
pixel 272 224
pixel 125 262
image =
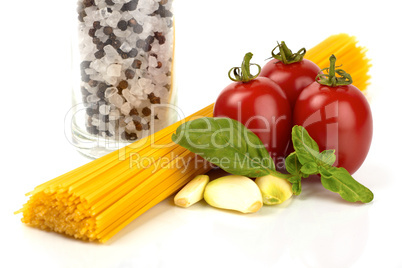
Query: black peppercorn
pixel 100 94
pixel 134 112
pixel 122 25
pixel 92 83
pixel 100 46
pixel 88 3
pixel 136 64
pixel 108 42
pixel 85 64
pixel 130 6
pixel 132 22
pixel 146 111
pixel 90 111
pixel 138 125
pixel 129 74
pixel 116 44
pixel 124 55
pixel 112 36
pixel 133 53
pixel 129 136
pixel 119 90
pixel 150 39
pixel 97 25
pixel 137 29
pixel 153 99
pixel 100 54
pixel 160 37
pixel 123 84
pixel 81 16
pixel 92 32
pixel 147 47
pixel 103 86
pixel 163 12
pixel 107 30
pixel 96 40
pixel 162 40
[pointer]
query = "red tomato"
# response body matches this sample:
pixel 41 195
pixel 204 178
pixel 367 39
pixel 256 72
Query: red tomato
pixel 290 71
pixel 262 107
pixel 292 78
pixel 337 118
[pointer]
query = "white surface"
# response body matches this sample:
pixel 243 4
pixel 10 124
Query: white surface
pixel 315 229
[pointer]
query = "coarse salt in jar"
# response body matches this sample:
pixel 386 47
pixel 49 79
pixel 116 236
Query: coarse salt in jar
pixel 123 61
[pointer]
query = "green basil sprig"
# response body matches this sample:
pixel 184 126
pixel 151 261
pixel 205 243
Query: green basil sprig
pixel 310 161
pixel 231 146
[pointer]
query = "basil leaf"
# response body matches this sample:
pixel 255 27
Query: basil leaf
pixel 293 166
pixel 226 143
pixel 292 163
pixel 340 181
pixel 306 148
pixel 309 168
pixel 328 157
pixel 335 179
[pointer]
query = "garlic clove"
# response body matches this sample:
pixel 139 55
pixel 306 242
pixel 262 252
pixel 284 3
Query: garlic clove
pixel 192 192
pixel 235 193
pixel 274 190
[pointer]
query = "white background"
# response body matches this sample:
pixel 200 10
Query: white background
pixel 315 229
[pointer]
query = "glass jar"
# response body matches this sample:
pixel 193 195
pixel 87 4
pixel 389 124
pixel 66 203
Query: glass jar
pixel 123 73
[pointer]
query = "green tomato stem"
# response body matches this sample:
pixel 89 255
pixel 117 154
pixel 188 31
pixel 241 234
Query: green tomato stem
pixel 330 78
pixel 243 73
pixel 286 55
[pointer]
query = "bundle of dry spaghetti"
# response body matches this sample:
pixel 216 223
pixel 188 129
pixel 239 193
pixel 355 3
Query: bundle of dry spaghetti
pixel 95 201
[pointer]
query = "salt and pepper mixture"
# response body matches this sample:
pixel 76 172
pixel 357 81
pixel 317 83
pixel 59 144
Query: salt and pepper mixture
pixel 126 55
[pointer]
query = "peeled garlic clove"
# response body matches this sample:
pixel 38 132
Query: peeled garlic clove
pixel 234 192
pixel 192 192
pixel 274 190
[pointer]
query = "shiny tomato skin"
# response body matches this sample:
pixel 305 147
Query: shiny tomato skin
pixel 337 118
pixel 292 78
pixel 262 107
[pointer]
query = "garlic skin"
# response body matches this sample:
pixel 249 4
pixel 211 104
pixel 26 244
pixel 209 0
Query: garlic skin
pixel 192 192
pixel 274 190
pixel 235 193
